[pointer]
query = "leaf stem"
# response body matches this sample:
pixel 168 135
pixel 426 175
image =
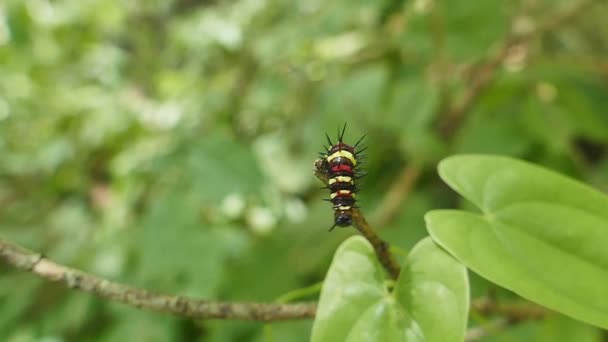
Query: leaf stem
pixel 299 293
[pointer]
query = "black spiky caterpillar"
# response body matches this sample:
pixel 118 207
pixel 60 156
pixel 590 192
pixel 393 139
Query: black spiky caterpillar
pixel 342 162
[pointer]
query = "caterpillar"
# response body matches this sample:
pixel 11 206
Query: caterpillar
pixel 342 162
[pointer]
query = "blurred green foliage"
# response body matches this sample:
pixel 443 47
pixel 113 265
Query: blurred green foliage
pixel 169 144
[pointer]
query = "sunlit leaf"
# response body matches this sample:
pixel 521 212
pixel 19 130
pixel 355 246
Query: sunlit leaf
pixel 429 301
pixel 540 234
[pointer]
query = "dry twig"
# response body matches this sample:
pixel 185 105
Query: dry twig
pixel 398 192
pixel 484 74
pixel 507 314
pixel 27 260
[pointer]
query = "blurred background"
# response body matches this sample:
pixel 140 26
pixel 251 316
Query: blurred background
pixel 169 144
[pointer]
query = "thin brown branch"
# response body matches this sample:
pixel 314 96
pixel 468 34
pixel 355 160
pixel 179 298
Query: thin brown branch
pixel 515 311
pixel 398 192
pixel 553 22
pixel 507 314
pixel 483 75
pixel 480 80
pixel 27 260
pixel 381 247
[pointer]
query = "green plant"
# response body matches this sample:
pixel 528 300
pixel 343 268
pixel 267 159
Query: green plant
pixel 165 146
pixel 428 302
pixel 539 234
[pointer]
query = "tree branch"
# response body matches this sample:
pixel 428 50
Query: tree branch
pixel 482 76
pixel 381 247
pixel 515 311
pixel 507 314
pixel 398 192
pixel 27 260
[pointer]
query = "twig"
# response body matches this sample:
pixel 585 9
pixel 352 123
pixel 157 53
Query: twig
pixel 27 260
pixel 515 311
pixel 481 79
pixel 509 314
pixel 483 75
pixel 23 259
pixel 399 191
pixel 381 247
pixel 555 21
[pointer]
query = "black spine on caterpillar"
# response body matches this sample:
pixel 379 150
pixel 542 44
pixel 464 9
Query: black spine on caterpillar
pixel 343 163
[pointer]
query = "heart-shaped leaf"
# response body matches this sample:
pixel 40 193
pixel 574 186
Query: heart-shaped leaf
pixel 429 301
pixel 540 234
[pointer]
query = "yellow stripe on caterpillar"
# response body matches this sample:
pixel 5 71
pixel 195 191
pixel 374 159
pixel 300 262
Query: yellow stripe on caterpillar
pixel 343 207
pixel 341 179
pixel 344 154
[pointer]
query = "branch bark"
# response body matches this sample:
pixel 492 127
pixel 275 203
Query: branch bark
pixel 398 192
pixel 516 311
pixel 509 313
pixel 27 260
pixel 381 247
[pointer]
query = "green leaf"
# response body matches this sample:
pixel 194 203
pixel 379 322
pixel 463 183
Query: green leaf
pixel 541 234
pixel 435 288
pixel 429 302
